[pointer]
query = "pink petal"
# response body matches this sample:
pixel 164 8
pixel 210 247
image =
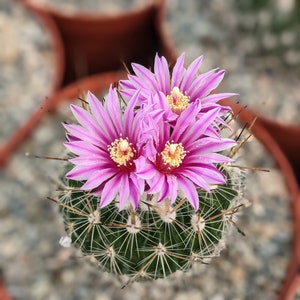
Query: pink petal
pixel 97 178
pixel 138 83
pixel 81 173
pixel 213 98
pixel 83 134
pixel 173 187
pixel 124 190
pixel 148 78
pixel 110 191
pixel 138 182
pixel 144 169
pixel 107 131
pixel 198 83
pixel 196 130
pixel 132 120
pixel 161 71
pixel 126 85
pixel 157 183
pixel 82 148
pixel 164 192
pixel 207 173
pixel 186 118
pixel 209 85
pixel 190 74
pixel 90 160
pixel 207 158
pixel 112 106
pixel 85 119
pixel 189 191
pixel 178 71
pixel 196 178
pixel 159 100
pixel 206 145
pixel 134 195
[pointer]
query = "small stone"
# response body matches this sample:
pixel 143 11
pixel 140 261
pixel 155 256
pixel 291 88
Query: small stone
pixel 191 295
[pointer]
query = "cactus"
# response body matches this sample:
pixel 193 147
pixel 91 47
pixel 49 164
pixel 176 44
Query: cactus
pixel 154 240
pixel 158 210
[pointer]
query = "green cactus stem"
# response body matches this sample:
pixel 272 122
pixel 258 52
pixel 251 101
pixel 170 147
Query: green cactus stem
pixel 155 240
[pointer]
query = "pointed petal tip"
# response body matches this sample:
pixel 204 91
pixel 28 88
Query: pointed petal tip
pixel 90 94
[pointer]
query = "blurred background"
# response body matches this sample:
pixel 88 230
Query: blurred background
pixel 256 41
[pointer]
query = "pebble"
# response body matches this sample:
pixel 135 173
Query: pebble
pixel 26 66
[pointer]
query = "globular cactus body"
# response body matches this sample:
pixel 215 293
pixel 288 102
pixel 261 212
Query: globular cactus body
pixel 153 241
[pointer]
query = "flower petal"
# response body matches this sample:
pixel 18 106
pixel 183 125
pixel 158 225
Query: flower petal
pixel 196 130
pixel 97 178
pixel 148 78
pixel 173 187
pixel 144 169
pixel 178 71
pixel 213 98
pixel 124 190
pixel 83 134
pixel 112 106
pixel 134 195
pixel 85 119
pixel 190 74
pixel 81 173
pixel 106 130
pixel 189 191
pixel 203 175
pixel 164 192
pixel 83 148
pixel 162 73
pixel 186 118
pixel 89 160
pixel 206 145
pixel 209 85
pixel 196 178
pixel 138 182
pixel 157 183
pixel 110 191
pixel 206 158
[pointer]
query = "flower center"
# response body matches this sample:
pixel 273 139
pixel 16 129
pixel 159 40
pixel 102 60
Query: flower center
pixel 121 151
pixel 177 100
pixel 173 154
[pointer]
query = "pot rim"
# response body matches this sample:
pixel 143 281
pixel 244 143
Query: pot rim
pixel 93 16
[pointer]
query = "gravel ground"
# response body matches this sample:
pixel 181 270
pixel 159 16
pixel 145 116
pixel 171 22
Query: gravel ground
pixel 35 266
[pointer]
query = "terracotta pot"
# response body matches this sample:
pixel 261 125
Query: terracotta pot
pixel 3 292
pixel 283 143
pixel 90 44
pixel 87 44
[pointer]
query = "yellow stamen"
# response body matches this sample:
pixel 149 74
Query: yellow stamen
pixel 177 100
pixel 173 154
pixel 121 151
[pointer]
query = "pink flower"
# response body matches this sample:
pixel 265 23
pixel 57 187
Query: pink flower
pixel 184 157
pixel 165 141
pixel 106 147
pixel 177 89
